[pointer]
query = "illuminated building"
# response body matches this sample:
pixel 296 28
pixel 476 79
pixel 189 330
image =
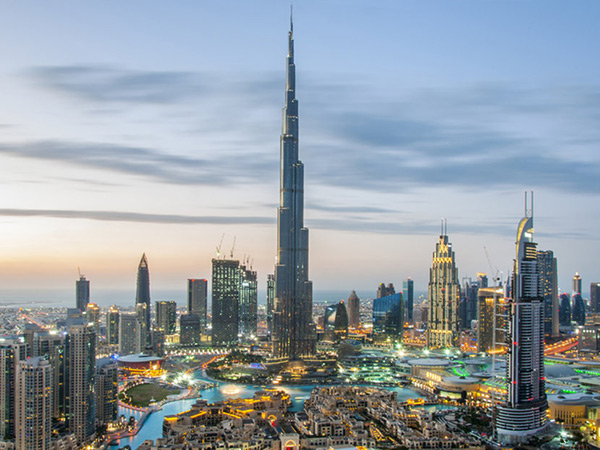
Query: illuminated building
pixel 166 316
pixel 270 303
pixel 444 296
pixel 11 352
pixel 595 297
pixel 486 324
pixel 197 300
pixel 335 323
pixel 142 297
pixel 112 325
pixel 33 404
pixel 190 329
pixel 80 376
pixel 248 304
pixel 82 293
pixel 130 334
pixel 524 412
pixel 408 289
pixel 92 316
pixel 578 309
pixel 52 347
pixel 225 301
pixel 141 365
pixel 577 283
pixel 106 391
pixel 384 291
pixel 548 268
pixel 353 309
pixel 564 313
pixel 388 318
pixel 294 334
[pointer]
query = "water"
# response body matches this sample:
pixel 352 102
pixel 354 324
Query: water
pixel 152 428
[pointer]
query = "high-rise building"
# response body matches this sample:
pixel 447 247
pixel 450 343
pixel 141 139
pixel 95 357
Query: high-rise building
pixel 294 334
pixel 487 324
pixel 248 305
pixel 548 269
pixel 130 334
pixel 11 352
pixel 408 289
pixel 197 300
pixel 33 410
pixel 335 322
pixel 564 314
pixel 190 330
pixel 444 296
pixel 577 309
pixel 52 348
pixel 353 309
pixel 166 316
pixel 92 316
pixel 388 318
pixel 80 376
pixel 524 412
pixel 142 297
pixel 82 293
pixel 112 325
pixel 270 304
pixel 384 291
pixel 106 391
pixel 595 297
pixel 577 283
pixel 469 302
pixel 225 301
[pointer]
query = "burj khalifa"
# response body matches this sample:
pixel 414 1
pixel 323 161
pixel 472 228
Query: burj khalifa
pixel 294 335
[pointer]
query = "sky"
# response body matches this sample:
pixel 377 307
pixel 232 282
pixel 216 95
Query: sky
pixel 153 126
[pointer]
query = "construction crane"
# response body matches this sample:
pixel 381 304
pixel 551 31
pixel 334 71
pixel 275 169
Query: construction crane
pixel 493 269
pixel 232 247
pixel 80 274
pixel 220 244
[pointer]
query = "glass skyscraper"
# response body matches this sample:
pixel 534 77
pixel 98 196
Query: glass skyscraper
pixel 142 297
pixel 388 318
pixel 225 301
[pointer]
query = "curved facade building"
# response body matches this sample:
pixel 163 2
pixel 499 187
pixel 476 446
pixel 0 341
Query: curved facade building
pixel 525 410
pixel 578 311
pixel 564 314
pixel 353 308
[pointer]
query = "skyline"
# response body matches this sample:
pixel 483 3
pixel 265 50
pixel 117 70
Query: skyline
pixel 144 143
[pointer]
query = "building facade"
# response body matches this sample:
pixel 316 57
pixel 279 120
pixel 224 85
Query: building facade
pixel 82 293
pixel 490 319
pixel 548 269
pixel 444 297
pixel 225 301
pixel 270 304
pixel 353 309
pixel 294 334
pixel 198 299
pixel 408 292
pixel 595 297
pixel 11 353
pixel 142 297
pixel 112 325
pixel 107 410
pixel 190 330
pixel 166 316
pixel 248 305
pixel 130 334
pixel 388 318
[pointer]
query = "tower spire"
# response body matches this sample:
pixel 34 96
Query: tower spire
pixel 292 19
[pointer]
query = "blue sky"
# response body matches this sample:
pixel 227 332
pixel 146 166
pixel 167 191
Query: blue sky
pixel 147 126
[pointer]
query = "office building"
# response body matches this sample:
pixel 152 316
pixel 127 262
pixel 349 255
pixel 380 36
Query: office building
pixel 130 334
pixel 112 325
pixel 225 301
pixel 92 317
pixel 197 300
pixel 564 313
pixel 548 270
pixel 80 376
pixel 577 283
pixel 52 348
pixel 11 352
pixel 142 297
pixel 384 291
pixel 388 318
pixel 166 316
pixel 82 293
pixel 595 297
pixel 270 304
pixel 408 292
pixel 107 380
pixel 335 322
pixel 294 333
pixel 524 412
pixel 33 412
pixel 444 296
pixel 248 305
pixel 353 309
pixel 490 319
pixel 468 303
pixel 190 329
pixel 577 309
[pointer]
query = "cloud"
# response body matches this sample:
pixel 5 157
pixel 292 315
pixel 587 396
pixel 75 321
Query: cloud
pixel 120 216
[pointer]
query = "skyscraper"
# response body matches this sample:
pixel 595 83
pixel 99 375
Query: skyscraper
pixel 130 334
pixel 384 291
pixel 548 269
pixel 11 352
pixel 524 412
pixel 487 324
pixel 112 325
pixel 80 375
pixel 166 316
pixel 577 309
pixel 353 308
pixel 225 301
pixel 92 316
pixel 33 404
pixel 444 296
pixel 106 391
pixel 52 348
pixel 142 296
pixel 577 283
pixel 248 306
pixel 335 322
pixel 270 304
pixel 82 293
pixel 564 314
pixel 294 334
pixel 595 297
pixel 190 330
pixel 409 298
pixel 197 299
pixel 388 318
